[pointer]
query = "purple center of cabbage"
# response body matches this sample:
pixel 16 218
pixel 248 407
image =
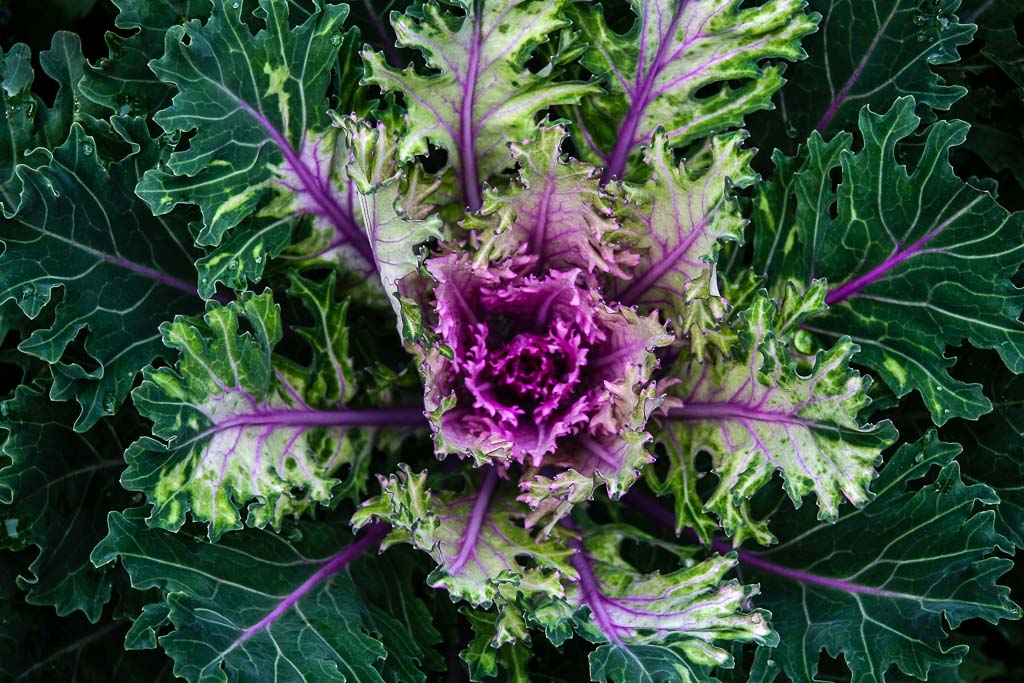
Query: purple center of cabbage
pixel 529 367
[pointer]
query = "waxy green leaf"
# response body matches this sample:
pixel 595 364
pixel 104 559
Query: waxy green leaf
pixel 878 586
pixel 79 229
pixel 916 259
pixel 55 489
pixel 258 606
pixel 263 139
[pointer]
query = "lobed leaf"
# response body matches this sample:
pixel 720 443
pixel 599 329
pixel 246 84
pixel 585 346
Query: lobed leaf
pixel 896 256
pixel 259 606
pixel 237 428
pixel 55 486
pixel 659 73
pixel 868 53
pixel 755 414
pixel 79 228
pixel 878 586
pixel 659 627
pixel 258 105
pixel 478 95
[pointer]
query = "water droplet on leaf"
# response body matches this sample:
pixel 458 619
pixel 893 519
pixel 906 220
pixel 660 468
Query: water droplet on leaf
pixel 86 149
pixel 335 40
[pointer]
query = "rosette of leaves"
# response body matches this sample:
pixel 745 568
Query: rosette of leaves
pixel 602 297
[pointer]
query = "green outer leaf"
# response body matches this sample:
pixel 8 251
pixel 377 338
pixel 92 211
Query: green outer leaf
pixel 994 445
pixel 674 50
pixel 258 105
pixel 16 108
pixel 79 227
pixel 877 585
pixel 479 95
pixel 896 256
pixel 55 492
pixel 754 413
pixel 125 84
pixel 867 53
pixel 258 606
pixel 38 645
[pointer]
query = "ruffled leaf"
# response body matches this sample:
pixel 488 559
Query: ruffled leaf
pixel 555 211
pixel 262 607
pixel 258 105
pixel 896 251
pixel 78 228
pixel 674 50
pixel 237 427
pixel 660 627
pixel 478 95
pixel 877 586
pixel 755 414
pixel 29 124
pixel 483 552
pixel 678 220
pixel 394 201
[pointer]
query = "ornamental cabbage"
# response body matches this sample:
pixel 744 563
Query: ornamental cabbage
pixel 477 340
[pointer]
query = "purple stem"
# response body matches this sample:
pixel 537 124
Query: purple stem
pixel 382 30
pixel 467 544
pixel 151 273
pixel 841 96
pixel 467 149
pixel 372 417
pixel 853 287
pixel 326 204
pixel 729 411
pixel 592 595
pixel 649 507
pixel 371 539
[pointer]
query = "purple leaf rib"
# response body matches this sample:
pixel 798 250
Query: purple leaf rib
pixel 727 410
pixel 334 564
pixel 316 187
pixel 470 537
pixel 152 273
pixel 467 136
pixel 899 255
pixel 650 508
pixel 592 595
pixel 844 92
pixel 644 92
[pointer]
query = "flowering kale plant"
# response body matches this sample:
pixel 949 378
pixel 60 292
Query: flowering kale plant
pixel 514 340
